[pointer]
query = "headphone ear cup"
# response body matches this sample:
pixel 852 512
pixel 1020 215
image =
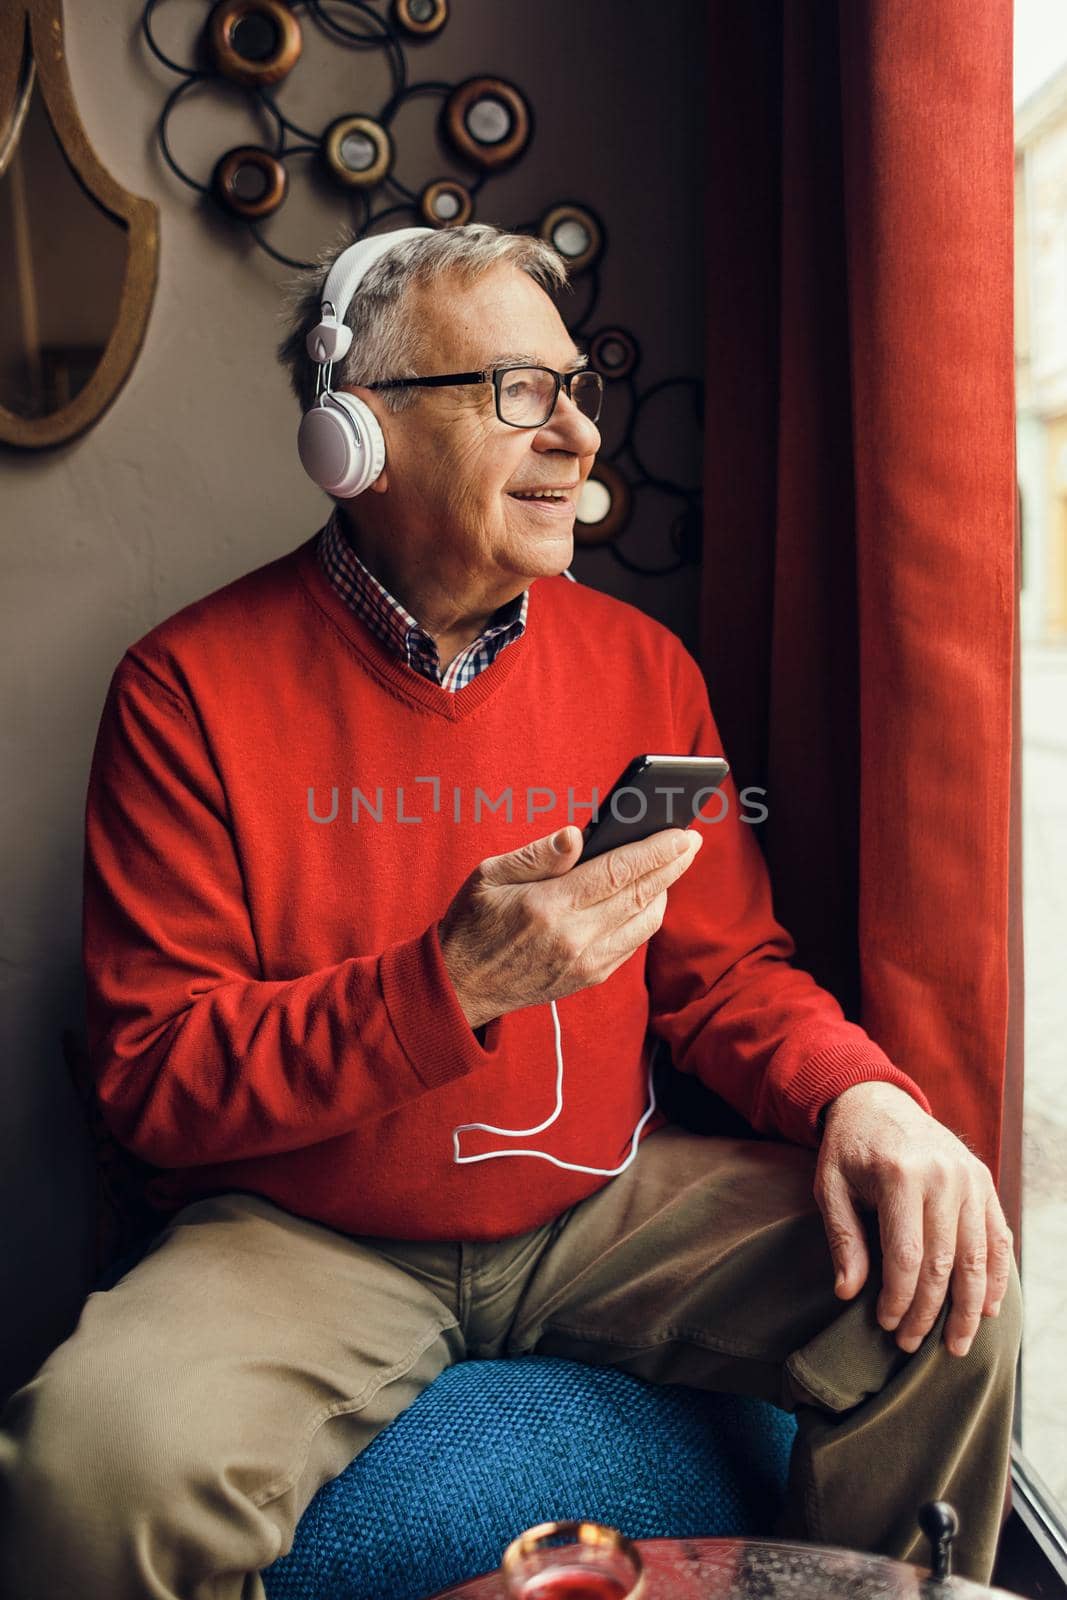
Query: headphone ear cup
pixel 341 445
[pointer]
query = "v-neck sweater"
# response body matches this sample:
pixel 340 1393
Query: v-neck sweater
pixel 279 813
pixel 398 630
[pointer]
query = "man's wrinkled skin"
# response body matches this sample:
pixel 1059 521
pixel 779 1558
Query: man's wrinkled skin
pixel 529 926
pixel 939 1219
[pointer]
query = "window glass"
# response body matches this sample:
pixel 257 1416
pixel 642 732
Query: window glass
pixel 1041 399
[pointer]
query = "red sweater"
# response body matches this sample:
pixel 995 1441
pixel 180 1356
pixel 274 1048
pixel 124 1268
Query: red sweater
pixel 268 1006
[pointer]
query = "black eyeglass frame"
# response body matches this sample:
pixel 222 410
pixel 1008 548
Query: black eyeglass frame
pixel 496 376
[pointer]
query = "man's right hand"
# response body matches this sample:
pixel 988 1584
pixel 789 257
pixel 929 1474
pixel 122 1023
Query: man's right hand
pixel 525 928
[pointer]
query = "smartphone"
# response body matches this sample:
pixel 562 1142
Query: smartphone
pixel 653 793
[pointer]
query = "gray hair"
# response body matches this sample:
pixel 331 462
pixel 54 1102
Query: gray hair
pixel 386 343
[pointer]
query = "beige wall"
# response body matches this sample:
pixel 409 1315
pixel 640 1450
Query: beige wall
pixel 191 478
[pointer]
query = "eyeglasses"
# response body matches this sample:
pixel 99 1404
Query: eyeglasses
pixel 525 396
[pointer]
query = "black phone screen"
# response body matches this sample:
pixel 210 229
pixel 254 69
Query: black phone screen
pixel 653 793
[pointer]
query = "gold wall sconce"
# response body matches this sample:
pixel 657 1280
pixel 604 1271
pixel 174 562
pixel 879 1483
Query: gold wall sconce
pixel 604 506
pixel 446 204
pixel 613 352
pixel 575 232
pixel 250 182
pixel 358 152
pixel 254 42
pixel 420 18
pixel 488 122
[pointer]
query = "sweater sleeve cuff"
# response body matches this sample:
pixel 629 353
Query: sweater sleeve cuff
pixel 426 1015
pixel 829 1073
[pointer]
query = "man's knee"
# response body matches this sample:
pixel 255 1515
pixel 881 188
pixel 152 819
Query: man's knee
pixel 101 1464
pixel 996 1343
pixel 991 1360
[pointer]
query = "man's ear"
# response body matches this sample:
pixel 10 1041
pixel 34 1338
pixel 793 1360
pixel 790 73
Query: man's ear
pixel 371 401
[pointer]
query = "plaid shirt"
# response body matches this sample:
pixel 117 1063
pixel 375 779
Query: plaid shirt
pixel 397 628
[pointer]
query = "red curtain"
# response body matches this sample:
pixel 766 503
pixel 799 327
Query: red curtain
pixel 860 574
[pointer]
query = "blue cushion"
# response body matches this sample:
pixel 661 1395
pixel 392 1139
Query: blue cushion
pixel 493 1447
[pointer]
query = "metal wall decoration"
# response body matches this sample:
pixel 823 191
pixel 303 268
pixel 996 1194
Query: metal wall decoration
pixel 487 123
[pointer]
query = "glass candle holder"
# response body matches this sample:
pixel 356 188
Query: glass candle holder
pixel 573 1561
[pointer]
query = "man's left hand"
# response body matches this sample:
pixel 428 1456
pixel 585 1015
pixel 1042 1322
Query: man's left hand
pixel 941 1226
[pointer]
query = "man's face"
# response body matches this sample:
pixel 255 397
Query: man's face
pixel 454 471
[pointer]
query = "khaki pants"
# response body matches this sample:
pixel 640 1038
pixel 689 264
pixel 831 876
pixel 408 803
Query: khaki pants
pixel 169 1447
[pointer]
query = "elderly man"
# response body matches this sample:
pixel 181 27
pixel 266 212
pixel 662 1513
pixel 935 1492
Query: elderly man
pixel 328 941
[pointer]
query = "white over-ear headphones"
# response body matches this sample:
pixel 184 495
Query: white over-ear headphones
pixel 340 441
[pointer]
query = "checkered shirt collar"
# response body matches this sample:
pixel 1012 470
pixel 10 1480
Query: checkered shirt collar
pixel 397 629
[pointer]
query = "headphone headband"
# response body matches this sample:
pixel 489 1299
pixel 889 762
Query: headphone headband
pixel 340 441
pixel 330 339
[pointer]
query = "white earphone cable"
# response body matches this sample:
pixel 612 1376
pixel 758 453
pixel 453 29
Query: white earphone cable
pixel 526 1133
